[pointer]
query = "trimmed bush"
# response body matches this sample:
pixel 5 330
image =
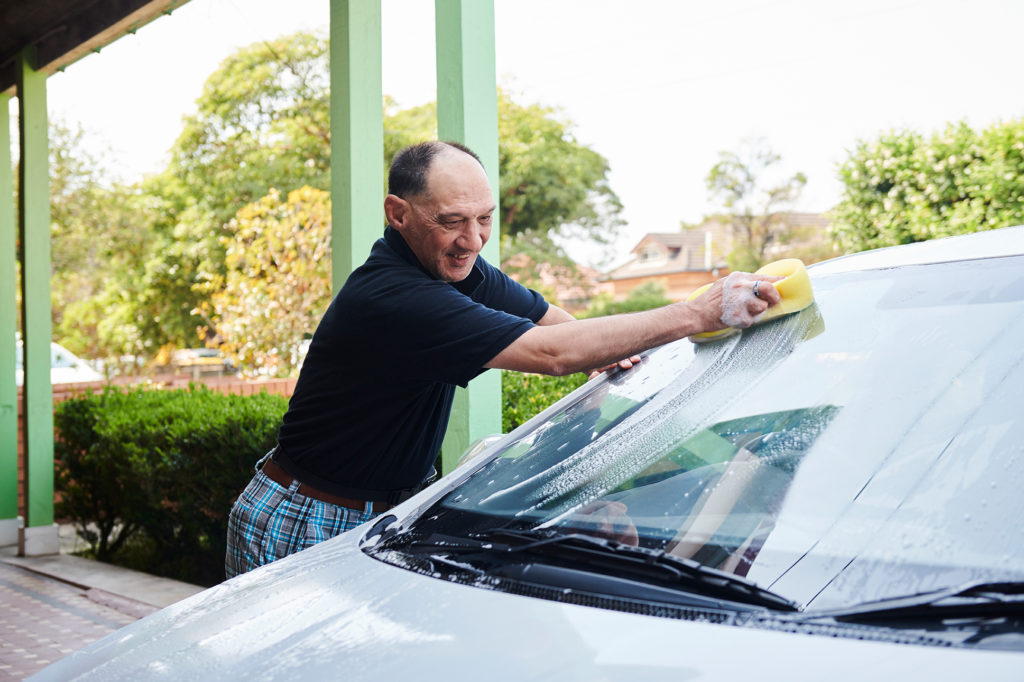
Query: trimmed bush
pixel 148 476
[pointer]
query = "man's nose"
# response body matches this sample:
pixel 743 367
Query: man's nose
pixel 474 236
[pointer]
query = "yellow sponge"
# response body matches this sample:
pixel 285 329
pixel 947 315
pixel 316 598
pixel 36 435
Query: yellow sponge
pixel 795 289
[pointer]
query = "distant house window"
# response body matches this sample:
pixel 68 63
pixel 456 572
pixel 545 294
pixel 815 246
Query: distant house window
pixel 651 253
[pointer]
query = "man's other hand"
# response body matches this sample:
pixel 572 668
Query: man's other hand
pixel 621 364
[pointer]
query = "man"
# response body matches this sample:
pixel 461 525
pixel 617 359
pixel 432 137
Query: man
pixel 423 314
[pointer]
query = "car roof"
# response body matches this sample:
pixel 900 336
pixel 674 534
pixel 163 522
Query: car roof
pixel 1007 241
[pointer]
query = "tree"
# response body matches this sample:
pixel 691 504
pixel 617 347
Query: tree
pixel 753 209
pixel 905 187
pixel 100 238
pixel 262 123
pixel 278 280
pixel 549 182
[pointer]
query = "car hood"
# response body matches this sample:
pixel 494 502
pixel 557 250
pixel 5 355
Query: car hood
pixel 332 611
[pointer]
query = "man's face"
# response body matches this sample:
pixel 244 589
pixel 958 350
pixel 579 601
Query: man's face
pixel 448 225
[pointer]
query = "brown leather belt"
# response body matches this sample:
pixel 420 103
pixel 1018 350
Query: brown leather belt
pixel 278 475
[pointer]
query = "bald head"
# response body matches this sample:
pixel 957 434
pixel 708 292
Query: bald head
pixel 410 167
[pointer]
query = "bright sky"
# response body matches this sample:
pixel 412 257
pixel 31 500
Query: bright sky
pixel 659 87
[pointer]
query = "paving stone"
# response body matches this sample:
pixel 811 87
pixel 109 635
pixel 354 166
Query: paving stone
pixel 43 620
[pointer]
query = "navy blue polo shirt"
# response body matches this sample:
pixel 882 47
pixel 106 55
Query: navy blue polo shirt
pixel 375 392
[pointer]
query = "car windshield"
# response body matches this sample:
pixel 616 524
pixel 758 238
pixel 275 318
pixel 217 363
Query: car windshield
pixel 867 447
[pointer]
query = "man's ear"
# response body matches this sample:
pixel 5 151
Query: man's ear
pixel 396 210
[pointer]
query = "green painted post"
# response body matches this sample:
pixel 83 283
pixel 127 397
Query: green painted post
pixel 467 112
pixel 357 134
pixel 8 330
pixel 34 215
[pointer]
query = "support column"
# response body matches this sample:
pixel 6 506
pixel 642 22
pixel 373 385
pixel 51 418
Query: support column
pixel 8 328
pixel 467 112
pixel 39 536
pixel 357 134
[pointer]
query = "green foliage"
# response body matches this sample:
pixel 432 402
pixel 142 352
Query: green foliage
pixel 278 280
pixel 527 395
pixel 905 187
pixel 262 121
pixel 100 240
pixel 159 470
pixel 648 295
pixel 742 182
pixel 549 182
pixel 262 124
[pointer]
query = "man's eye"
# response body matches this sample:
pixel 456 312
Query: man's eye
pixel 485 220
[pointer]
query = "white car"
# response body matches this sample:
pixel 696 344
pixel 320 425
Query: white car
pixel 65 366
pixel 832 495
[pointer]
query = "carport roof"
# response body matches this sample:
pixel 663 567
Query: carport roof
pixel 64 31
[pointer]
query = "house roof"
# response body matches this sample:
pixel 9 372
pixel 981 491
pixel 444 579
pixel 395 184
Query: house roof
pixel 64 31
pixel 672 240
pixel 679 252
pixel 685 250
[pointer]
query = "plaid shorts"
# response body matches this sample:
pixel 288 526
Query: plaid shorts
pixel 269 521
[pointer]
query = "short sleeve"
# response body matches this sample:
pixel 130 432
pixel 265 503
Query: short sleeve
pixel 441 334
pixel 501 292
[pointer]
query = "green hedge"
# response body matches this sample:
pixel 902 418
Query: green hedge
pixel 149 476
pixel 525 395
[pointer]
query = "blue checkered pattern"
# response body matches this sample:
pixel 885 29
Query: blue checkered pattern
pixel 268 522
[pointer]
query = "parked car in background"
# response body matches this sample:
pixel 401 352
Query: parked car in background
pixel 201 362
pixel 832 495
pixel 65 366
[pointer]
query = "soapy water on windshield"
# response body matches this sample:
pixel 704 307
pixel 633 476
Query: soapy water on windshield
pixel 719 374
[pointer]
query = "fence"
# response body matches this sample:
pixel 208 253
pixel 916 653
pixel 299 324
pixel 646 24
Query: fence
pixel 226 385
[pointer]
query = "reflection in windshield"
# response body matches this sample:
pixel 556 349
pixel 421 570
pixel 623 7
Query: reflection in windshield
pixel 865 448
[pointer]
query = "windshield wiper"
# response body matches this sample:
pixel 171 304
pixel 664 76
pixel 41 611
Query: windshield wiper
pixel 589 553
pixel 974 600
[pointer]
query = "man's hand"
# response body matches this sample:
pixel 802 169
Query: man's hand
pixel 621 364
pixel 737 300
pixel 611 522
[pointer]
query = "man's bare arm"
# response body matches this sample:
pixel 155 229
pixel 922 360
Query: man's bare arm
pixel 561 346
pixel 555 315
